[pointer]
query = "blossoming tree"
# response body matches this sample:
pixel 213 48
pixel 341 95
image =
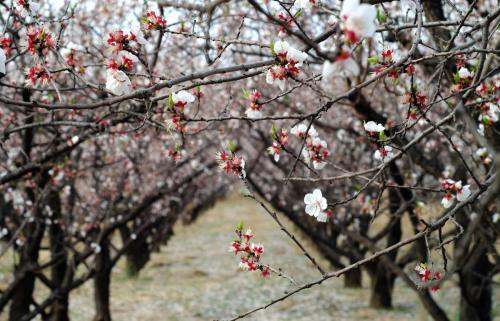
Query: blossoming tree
pixel 360 121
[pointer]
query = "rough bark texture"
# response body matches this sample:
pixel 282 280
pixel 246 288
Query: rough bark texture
pixel 102 282
pixel 59 309
pixel 476 288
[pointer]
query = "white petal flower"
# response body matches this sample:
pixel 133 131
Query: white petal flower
pixel 315 203
pixel 383 154
pixel 359 18
pixel 32 7
pixel 300 130
pixel 118 82
pixel 464 73
pixel 296 55
pixel 493 112
pixel 322 217
pixel 281 47
pixel 136 30
pixel 303 4
pixel 183 96
pixel 127 54
pixel 373 127
pixel 270 79
pixel 463 193
pixel 447 201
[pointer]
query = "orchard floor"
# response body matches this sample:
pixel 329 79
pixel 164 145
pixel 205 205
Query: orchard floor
pixel 196 278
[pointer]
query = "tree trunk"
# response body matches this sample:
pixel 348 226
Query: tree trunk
pixel 137 253
pixel 102 282
pixel 382 278
pixel 353 279
pixel 22 297
pixel 382 283
pixel 59 309
pixel 476 289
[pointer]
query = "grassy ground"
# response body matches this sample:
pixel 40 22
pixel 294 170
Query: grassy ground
pixel 196 278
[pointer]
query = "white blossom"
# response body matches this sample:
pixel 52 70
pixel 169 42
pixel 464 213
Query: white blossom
pixel 183 96
pixel 383 154
pixel 303 4
pixel 136 30
pixel 32 7
pixel 447 201
pixel 463 193
pixel 281 47
pixel 464 73
pixel 296 56
pixel 270 79
pixel 359 18
pixel 300 130
pixel 316 204
pixel 118 82
pixel 373 127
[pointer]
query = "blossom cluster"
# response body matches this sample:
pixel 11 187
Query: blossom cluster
pixel 417 103
pixel 231 163
pixel 154 22
pixel 177 103
pixel 37 74
pixel 290 59
pixel 25 7
pixel 454 189
pixel 374 130
pixel 385 60
pixel 39 41
pixel 124 62
pixel 316 149
pixel 462 79
pixel 426 275
pixel 120 40
pixel 6 45
pixel 254 109
pixel 357 22
pixel 304 4
pixel 250 253
pixel 280 140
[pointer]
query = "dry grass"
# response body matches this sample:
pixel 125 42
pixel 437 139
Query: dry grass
pixel 195 278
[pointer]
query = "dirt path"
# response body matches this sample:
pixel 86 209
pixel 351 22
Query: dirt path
pixel 196 278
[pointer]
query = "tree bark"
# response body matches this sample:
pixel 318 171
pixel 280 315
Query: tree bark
pixel 476 289
pixel 102 282
pixel 59 309
pixel 137 254
pixel 353 279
